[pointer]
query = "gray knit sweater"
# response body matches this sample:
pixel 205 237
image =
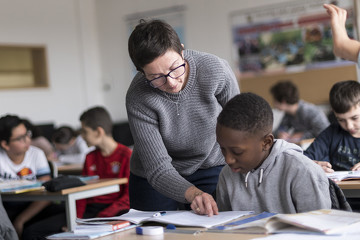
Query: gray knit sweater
pixel 290 183
pixel 174 134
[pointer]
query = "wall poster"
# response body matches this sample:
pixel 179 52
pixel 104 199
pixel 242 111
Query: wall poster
pixel 287 37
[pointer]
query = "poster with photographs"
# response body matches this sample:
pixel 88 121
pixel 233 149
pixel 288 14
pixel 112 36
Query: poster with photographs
pixel 287 37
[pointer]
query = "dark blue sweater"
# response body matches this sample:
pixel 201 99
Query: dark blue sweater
pixel 336 146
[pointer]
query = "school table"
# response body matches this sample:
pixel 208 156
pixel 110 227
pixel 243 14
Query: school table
pixel 92 188
pixel 131 235
pixel 351 188
pixel 70 169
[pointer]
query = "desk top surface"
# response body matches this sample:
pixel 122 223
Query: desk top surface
pixel 91 184
pixel 131 235
pixel 349 184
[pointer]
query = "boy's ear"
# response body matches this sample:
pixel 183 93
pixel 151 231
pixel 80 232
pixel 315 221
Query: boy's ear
pixel 268 141
pixel 100 131
pixel 4 145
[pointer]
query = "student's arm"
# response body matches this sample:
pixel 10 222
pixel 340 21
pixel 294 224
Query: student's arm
pixel 344 47
pixel 310 188
pixel 319 150
pixel 33 209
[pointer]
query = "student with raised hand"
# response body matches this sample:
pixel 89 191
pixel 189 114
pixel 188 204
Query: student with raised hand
pixel 20 160
pixel 343 46
pixel 263 173
pixel 172 104
pixel 337 147
pixel 302 120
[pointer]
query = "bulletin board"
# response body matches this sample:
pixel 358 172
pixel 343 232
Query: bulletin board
pixel 314 85
pixel 290 41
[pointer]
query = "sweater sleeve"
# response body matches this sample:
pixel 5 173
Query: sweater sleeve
pixel 152 151
pixel 230 88
pixel 122 202
pixel 222 195
pixel 319 149
pixel 310 189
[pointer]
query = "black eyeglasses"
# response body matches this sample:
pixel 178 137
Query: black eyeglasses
pixel 174 74
pixel 22 137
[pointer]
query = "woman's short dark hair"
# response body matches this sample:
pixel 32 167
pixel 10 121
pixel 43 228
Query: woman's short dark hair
pixel 7 124
pixel 285 91
pixel 151 39
pixel 344 95
pixel 247 112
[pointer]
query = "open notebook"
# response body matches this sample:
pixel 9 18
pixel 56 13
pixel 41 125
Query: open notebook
pixel 179 218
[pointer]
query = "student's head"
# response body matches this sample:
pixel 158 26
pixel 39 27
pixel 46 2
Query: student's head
pixel 345 102
pixel 36 132
pixel 63 137
pixel 243 131
pixel 95 123
pixel 15 138
pixel 156 51
pixel 284 93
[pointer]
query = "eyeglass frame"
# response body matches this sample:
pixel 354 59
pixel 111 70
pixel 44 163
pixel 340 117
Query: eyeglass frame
pixel 166 76
pixel 22 137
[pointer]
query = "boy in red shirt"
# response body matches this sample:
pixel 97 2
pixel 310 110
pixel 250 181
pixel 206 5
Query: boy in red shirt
pixel 110 159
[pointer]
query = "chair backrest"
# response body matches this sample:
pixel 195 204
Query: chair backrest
pixel 338 199
pixel 53 169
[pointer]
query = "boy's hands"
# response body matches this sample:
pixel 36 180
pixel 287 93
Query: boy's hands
pixel 201 203
pixel 326 166
pixel 356 167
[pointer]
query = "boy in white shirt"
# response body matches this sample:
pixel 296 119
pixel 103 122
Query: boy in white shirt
pixel 19 160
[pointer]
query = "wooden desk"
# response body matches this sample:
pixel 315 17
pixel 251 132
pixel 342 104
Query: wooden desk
pixel 70 169
pixel 131 235
pixel 92 188
pixel 350 188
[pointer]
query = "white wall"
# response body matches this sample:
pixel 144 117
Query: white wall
pixel 67 29
pixel 86 43
pixel 207 28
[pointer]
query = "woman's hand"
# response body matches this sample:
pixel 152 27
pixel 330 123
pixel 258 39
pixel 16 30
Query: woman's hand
pixel 201 203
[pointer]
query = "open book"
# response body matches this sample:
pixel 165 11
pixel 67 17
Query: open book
pixel 324 221
pixel 179 218
pixel 344 175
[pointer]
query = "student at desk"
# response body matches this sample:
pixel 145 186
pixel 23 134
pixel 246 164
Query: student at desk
pixel 109 160
pixel 19 160
pixel 263 174
pixel 302 120
pixel 70 147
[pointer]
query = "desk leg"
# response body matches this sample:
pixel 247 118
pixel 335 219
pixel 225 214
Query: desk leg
pixel 70 203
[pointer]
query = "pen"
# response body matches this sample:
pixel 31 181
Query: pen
pixel 158 214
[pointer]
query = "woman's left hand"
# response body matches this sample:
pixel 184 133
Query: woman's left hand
pixel 204 204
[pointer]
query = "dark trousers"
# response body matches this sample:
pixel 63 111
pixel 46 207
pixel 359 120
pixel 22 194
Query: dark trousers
pixel 144 197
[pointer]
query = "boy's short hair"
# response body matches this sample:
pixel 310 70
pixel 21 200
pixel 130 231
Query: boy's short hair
pixel 97 117
pixel 344 95
pixel 247 112
pixel 151 39
pixel 63 135
pixel 7 124
pixel 285 91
